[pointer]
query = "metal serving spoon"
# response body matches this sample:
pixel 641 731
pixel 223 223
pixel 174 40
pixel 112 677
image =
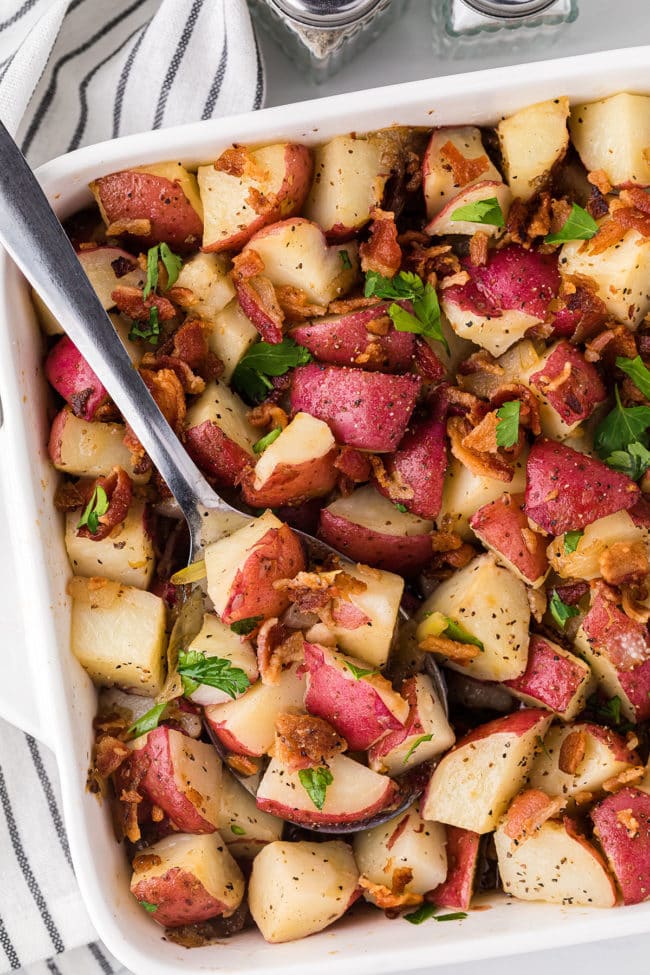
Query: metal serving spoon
pixel 33 236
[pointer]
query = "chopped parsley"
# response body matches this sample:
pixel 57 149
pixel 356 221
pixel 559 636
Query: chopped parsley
pixel 315 782
pixel 407 286
pixel 96 507
pixel 264 442
pixel 482 211
pixel 507 432
pixel 561 611
pixel 572 540
pixel 251 376
pixel 148 721
pixel 196 668
pixel 359 672
pixel 245 626
pixel 579 225
pixel 416 743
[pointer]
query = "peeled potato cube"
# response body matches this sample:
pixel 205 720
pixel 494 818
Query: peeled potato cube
pixel 125 556
pixel 532 141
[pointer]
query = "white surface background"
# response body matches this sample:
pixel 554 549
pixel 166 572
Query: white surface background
pixel 406 54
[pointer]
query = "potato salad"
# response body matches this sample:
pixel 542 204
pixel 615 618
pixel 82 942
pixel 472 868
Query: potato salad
pixel 429 349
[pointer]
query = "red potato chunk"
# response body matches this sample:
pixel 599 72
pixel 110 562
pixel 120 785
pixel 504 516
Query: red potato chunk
pixel 622 826
pixel 618 651
pixel 554 679
pixel 462 859
pixel 368 410
pixel 569 384
pixel 503 527
pixel 344 340
pixel 69 373
pixel 170 206
pixel 567 490
pixel 420 463
pixel 221 459
pixel 187 879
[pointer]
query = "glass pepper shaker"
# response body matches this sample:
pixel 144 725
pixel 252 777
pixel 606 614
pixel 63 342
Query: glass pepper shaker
pixel 463 26
pixel 319 36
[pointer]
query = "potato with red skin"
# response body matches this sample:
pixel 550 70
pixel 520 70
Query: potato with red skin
pixel 473 784
pixel 187 879
pixel 355 793
pixel 69 373
pixel 441 181
pixel 171 205
pixel 344 340
pixel 219 438
pixel 420 463
pixel 247 189
pixel 618 651
pixel 503 527
pixel 362 709
pixel 444 223
pixel 462 861
pixel 368 410
pixel 568 386
pixel 84 449
pixel 622 827
pixel 368 528
pixel 179 775
pixel 241 569
pixel 297 466
pixel 602 755
pixel 567 490
pixel 553 679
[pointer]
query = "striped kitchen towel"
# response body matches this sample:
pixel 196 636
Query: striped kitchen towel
pixel 74 72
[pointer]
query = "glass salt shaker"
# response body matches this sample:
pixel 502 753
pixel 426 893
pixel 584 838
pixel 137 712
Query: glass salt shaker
pixel 461 27
pixel 319 36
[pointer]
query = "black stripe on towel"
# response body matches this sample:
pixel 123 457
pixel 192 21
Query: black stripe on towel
pixel 50 93
pixel 175 63
pixel 28 874
pixel 215 87
pixel 259 87
pixel 122 83
pixel 52 966
pixel 26 7
pixel 49 796
pixel 100 958
pixel 7 947
pixel 83 88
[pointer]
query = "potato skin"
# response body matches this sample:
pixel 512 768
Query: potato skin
pixel 180 898
pixel 292 484
pixel 405 554
pixel 131 195
pixel 221 459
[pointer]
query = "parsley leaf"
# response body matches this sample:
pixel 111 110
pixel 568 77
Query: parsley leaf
pixel 508 424
pixel 196 669
pixel 542 745
pixel 423 913
pixel 345 260
pixel 172 264
pixel 149 332
pixel 315 782
pixel 148 906
pixel 264 442
pixel 456 916
pixel 425 319
pixel 152 271
pixel 96 507
pixel 245 626
pixel 418 741
pixel 401 507
pixel 457 632
pixel 482 211
pixel 359 672
pixel 572 540
pixel 638 372
pixel 237 830
pixel 634 461
pixel 606 710
pixel 148 721
pixel 263 360
pixel 621 427
pixel 579 225
pixel 560 611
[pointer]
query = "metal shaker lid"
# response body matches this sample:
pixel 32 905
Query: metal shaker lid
pixel 325 13
pixel 508 9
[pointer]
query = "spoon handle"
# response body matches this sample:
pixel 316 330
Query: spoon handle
pixel 35 239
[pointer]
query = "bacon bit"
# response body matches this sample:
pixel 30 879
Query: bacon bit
pixel 478 249
pixel 480 463
pixel 373 354
pixel 183 297
pixel 402 877
pixel 624 563
pixel 69 497
pixel 624 778
pixel 113 724
pixel 446 541
pixel 239 161
pixel 261 203
pixel 140 227
pixel 267 415
pixel 294 302
pixel 379 326
pixel 528 405
pixel 145 861
pixel 458 279
pixel 165 387
pixel 194 385
pixel 260 291
pixel 631 741
pixel 277 646
pixel 391 483
pixel 461 653
pixel 572 752
pixel 242 764
pixel 395 835
pixel 478 362
pixel 550 385
pixel 247 265
pixel 460 557
pixel 345 305
pixel 429 262
pixel 528 813
pixel 539 222
pixel 463 170
pixel 632 607
pixel 462 403
pixel 386 899
pixel 583 798
pixel 110 752
pixel 131 303
pixel 627 819
pixel 381 253
pixel 324 593
pixel 483 438
pixel 119 491
pixel 191 343
pixel 537 603
pixel 305 741
pixel 612 342
pixel 354 465
pixel 157 814
pixel 636 197
pixel 577 300
pixel 598 178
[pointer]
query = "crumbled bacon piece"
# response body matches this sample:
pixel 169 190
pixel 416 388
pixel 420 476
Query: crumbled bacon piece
pixel 481 463
pixel 463 170
pixel 324 594
pixel 462 403
pixel 624 563
pixel 626 777
pixel 167 390
pixel 110 753
pixel 119 491
pixel 381 253
pixel 460 653
pixel 635 196
pixel 247 264
pixel 386 899
pixel 242 764
pixel 599 179
pixel 379 326
pixel 615 341
pixel 392 484
pixel 145 861
pixel 572 752
pixel 344 305
pixel 259 291
pixel 130 302
pixel 528 404
pixel 138 227
pixel 192 384
pixel 445 541
pixel 354 465
pixel 261 203
pixel 235 161
pixel 267 416
pixel 305 741
pixel 277 646
pixel 478 249
pixel 478 362
pixel 191 343
pixel 528 813
pixel 627 819
pixel 295 304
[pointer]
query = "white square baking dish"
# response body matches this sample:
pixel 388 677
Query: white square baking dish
pixel 66 699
